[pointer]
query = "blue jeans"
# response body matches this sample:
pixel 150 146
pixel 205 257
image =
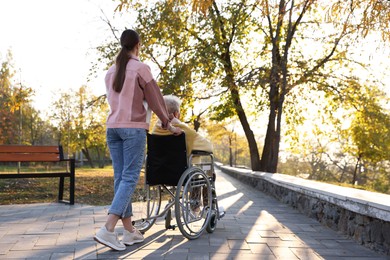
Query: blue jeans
pixel 127 148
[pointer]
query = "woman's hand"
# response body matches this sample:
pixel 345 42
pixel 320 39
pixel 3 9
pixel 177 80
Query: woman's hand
pixel 175 130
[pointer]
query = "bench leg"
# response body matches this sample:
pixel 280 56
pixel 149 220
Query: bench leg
pixel 61 189
pixel 72 182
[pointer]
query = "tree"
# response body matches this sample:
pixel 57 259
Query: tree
pixel 8 117
pixel 347 139
pixel 14 103
pixel 81 125
pixel 369 130
pixel 281 62
pixel 97 110
pixel 229 147
pixel 35 130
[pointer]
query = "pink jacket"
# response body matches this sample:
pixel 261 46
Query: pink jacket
pixel 127 108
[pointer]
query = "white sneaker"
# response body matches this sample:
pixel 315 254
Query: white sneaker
pixel 131 238
pixel 110 239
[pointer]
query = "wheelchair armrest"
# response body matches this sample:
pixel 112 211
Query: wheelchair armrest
pixel 199 152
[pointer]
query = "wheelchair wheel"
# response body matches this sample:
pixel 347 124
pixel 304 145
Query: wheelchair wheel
pixel 212 225
pixel 146 203
pixel 192 199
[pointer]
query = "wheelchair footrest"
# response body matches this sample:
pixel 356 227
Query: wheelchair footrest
pixel 173 227
pixel 221 212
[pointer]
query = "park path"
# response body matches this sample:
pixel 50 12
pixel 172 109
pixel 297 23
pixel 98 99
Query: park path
pixel 256 226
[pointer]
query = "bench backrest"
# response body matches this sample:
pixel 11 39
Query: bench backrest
pixel 30 153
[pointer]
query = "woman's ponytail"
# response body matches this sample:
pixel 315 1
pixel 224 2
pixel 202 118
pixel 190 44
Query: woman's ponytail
pixel 120 73
pixel 129 39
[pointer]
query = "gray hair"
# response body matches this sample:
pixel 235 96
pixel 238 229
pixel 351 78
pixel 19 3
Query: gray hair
pixel 173 103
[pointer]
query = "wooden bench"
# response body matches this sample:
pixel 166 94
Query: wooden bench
pixel 28 153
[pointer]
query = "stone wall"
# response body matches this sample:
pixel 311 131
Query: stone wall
pixel 365 221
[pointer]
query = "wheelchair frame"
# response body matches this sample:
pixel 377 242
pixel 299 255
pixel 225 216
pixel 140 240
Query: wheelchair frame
pixel 193 201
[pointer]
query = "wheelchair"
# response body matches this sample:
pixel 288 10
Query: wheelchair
pixel 185 184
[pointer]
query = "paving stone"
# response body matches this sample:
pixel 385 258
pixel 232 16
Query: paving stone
pixel 145 254
pixel 287 236
pixel 198 256
pixel 26 243
pixel 85 252
pixel 13 238
pixel 238 244
pixel 268 234
pixel 306 253
pixel 63 256
pixel 4 248
pixel 209 249
pixel 262 249
pixel 283 253
pixel 29 254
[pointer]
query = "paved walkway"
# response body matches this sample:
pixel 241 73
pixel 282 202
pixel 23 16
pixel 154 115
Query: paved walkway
pixel 256 226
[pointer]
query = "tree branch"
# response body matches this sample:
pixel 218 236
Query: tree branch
pixel 107 21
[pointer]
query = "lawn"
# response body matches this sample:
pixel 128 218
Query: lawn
pixel 93 187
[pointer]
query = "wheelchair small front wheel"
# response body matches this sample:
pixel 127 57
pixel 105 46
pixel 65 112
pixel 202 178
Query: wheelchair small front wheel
pixel 192 202
pixel 212 225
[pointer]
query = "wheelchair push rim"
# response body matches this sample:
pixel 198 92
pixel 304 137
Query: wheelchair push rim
pixel 193 196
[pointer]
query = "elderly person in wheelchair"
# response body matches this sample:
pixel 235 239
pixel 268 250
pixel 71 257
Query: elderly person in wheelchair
pixel 194 141
pixel 183 168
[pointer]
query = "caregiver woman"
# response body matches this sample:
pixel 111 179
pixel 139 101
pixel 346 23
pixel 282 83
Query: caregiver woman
pixel 130 89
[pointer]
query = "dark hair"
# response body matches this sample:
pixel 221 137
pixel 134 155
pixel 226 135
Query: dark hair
pixel 129 39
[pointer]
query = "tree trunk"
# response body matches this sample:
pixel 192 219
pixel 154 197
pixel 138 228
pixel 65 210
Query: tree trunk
pixel 269 159
pixel 278 82
pixel 270 155
pixel 342 175
pixel 354 178
pixel 270 150
pixel 100 158
pixel 88 156
pixel 253 150
pixel 230 152
pixel 234 93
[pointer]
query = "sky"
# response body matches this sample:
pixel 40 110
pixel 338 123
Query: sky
pixel 52 43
